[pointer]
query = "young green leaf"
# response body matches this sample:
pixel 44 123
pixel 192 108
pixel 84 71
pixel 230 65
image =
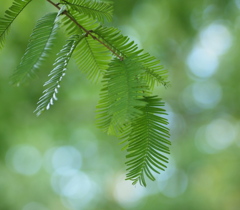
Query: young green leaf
pixel 125 108
pixel 10 15
pixel 147 142
pixel 119 43
pixel 38 49
pixel 58 72
pixel 119 103
pixel 81 22
pixel 92 58
pixel 94 9
pixel 154 72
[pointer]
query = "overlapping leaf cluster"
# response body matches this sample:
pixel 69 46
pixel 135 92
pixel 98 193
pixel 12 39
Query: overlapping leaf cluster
pixel 127 108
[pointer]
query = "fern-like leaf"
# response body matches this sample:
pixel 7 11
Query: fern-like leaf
pixel 94 9
pixel 147 142
pixel 154 72
pixel 119 103
pixel 82 20
pixel 91 56
pixel 58 72
pixel 38 49
pixel 10 15
pixel 117 42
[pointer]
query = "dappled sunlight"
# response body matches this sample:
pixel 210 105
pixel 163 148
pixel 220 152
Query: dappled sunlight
pixel 206 94
pixel 216 38
pixel 24 159
pixel 125 193
pixel 176 184
pixel 72 184
pixel 218 135
pixel 202 95
pixel 66 158
pixel 173 182
pixel 203 60
pixel 62 161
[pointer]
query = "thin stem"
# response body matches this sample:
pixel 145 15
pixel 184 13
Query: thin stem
pixel 88 32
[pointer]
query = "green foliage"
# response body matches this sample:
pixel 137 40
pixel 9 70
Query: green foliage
pixel 39 47
pixel 49 94
pixel 10 15
pixel 118 43
pixel 154 72
pixel 122 46
pixel 122 89
pixel 126 107
pixel 93 9
pixel 147 141
pixel 94 58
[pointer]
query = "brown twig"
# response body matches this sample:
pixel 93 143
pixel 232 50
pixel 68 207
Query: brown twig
pixel 88 32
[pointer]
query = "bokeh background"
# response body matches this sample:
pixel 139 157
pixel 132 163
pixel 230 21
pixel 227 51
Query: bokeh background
pixel 61 161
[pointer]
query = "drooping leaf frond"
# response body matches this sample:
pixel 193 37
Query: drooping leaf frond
pixel 91 56
pixel 126 108
pixel 38 49
pixel 81 22
pixel 154 72
pixel 147 142
pixel 94 9
pixel 10 15
pixel 58 72
pixel 117 42
pixel 119 102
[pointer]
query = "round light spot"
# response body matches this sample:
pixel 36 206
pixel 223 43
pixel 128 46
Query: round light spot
pixel 66 158
pixel 220 134
pixel 73 184
pixel 176 184
pixel 24 159
pixel 202 62
pixel 216 136
pixel 207 94
pixel 216 38
pixel 125 193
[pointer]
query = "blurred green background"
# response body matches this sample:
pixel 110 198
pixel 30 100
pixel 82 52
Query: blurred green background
pixel 61 161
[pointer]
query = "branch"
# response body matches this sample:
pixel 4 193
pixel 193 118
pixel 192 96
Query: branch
pixel 88 32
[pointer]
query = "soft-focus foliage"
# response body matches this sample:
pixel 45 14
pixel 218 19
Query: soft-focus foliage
pixel 38 48
pixel 10 15
pixel 126 88
pixel 198 42
pixel 94 9
pixel 56 75
pixel 148 139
